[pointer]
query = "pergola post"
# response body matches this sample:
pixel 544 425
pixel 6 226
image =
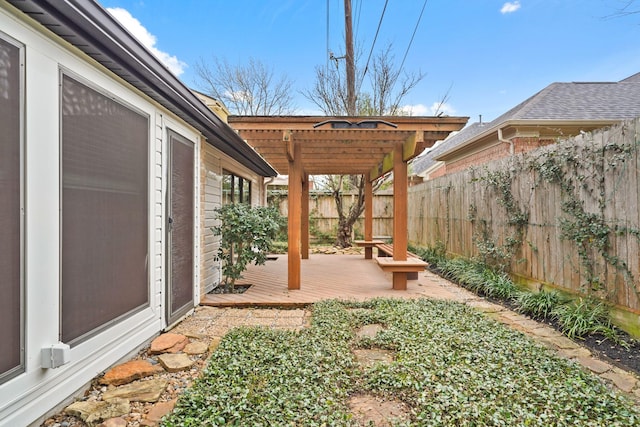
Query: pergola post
pixel 400 202
pixel 294 216
pixel 305 217
pixel 368 216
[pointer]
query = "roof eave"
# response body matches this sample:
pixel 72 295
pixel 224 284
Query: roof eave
pixel 90 28
pixel 455 151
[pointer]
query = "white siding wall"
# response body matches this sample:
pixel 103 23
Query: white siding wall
pixel 27 397
pixel 212 162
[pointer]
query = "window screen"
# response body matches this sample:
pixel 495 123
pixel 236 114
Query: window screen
pixel 10 211
pixel 104 210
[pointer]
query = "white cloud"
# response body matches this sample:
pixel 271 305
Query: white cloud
pixel 435 109
pixel 510 7
pixel 147 39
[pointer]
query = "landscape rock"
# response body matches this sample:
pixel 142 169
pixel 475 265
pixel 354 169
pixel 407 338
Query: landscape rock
pixel 93 413
pixel 129 371
pixel 168 343
pixel 215 342
pixel 139 391
pixel 196 347
pixel 158 411
pixel 175 362
pixel 114 422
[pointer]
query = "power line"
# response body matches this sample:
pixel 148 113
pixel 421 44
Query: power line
pixel 357 20
pixel 366 67
pixel 328 50
pixel 413 35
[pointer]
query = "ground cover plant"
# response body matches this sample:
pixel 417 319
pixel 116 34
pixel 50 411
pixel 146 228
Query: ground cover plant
pixel 452 365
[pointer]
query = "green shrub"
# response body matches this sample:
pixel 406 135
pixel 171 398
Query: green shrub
pixel 246 237
pixel 583 316
pixel 539 304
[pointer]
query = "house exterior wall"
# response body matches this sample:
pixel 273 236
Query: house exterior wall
pixel 212 164
pixel 494 151
pixel 33 393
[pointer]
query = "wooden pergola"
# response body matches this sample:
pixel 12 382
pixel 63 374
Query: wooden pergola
pixel 300 146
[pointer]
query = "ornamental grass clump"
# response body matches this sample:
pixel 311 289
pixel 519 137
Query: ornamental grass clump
pixel 539 305
pixel 582 317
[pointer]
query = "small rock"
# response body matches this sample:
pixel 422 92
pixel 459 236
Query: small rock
pixel 196 347
pixel 129 371
pixel 139 391
pixel 215 342
pixel 175 362
pixel 168 343
pixel 152 361
pixel 114 422
pixel 158 411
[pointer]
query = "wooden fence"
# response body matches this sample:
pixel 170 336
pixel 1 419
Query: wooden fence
pixel 565 215
pixel 323 215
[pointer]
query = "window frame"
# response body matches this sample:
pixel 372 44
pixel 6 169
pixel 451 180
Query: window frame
pixel 62 72
pixel 237 188
pixel 20 368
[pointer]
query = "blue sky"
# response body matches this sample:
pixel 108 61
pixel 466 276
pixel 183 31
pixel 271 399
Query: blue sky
pixel 489 55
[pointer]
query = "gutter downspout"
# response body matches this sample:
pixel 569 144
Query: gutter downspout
pixel 512 148
pixel 265 184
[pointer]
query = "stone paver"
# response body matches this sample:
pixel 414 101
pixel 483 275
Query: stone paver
pixel 168 343
pixel 595 365
pixel 621 379
pixel 140 391
pixel 369 331
pixel 130 371
pixel 94 412
pixel 175 362
pixel 196 347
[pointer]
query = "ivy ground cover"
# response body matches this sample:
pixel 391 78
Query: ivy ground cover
pixel 452 366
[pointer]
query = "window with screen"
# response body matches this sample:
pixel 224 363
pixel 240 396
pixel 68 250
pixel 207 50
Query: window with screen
pixel 11 310
pixel 104 210
pixel 235 189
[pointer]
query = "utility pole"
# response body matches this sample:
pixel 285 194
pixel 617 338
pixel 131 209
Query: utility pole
pixel 350 60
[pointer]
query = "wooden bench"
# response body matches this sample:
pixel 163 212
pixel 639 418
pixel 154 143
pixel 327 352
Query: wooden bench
pixel 411 266
pixel 368 246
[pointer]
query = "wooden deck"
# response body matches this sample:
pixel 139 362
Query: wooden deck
pixel 326 277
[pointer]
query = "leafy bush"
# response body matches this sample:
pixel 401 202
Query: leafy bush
pixel 539 304
pixel 247 234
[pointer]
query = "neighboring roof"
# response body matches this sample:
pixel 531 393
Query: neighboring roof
pixel 580 101
pixel 569 104
pixel 90 28
pixel 428 160
pixel 342 145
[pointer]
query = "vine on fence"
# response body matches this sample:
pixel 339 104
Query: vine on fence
pixel 580 170
pixel 492 253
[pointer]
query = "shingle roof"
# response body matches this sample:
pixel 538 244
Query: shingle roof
pixel 427 160
pixel 580 101
pixel 559 102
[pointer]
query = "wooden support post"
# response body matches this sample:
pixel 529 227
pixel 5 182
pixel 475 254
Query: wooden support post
pixel 400 201
pixel 305 217
pixel 294 217
pixel 368 216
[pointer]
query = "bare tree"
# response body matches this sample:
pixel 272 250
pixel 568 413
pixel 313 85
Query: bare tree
pixel 249 89
pixel 387 86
